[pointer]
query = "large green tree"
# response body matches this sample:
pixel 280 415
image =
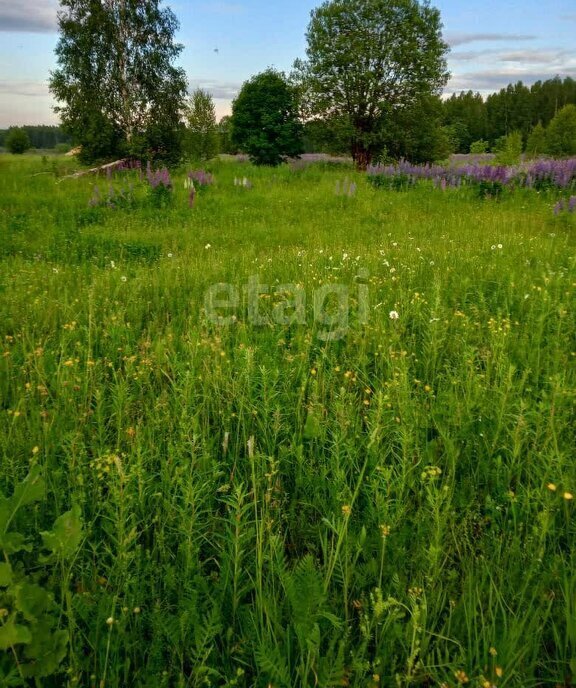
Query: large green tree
pixel 118 89
pixel 368 58
pixel 265 119
pixel 202 130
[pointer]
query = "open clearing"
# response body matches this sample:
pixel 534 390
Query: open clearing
pixel 264 505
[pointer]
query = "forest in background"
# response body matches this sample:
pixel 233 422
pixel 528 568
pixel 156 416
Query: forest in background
pixel 431 130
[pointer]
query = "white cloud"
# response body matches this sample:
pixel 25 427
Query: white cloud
pixel 488 81
pixel 455 39
pixel 28 16
pixel 561 57
pixel 471 55
pixel 10 88
pixel 219 90
pixel 495 69
pixel 537 57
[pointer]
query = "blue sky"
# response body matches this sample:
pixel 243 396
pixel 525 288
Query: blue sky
pixel 493 43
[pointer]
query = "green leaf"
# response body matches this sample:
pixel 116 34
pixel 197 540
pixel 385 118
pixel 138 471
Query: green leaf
pixel 272 663
pixel 66 534
pixel 312 428
pixel 14 542
pixel 47 650
pixel 5 575
pixel 32 600
pixel 30 490
pixel 12 634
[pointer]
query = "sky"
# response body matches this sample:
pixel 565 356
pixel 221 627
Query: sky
pixel 493 43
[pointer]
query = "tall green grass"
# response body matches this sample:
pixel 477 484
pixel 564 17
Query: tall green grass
pixel 263 508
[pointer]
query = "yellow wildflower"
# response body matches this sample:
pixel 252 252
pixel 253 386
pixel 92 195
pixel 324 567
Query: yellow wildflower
pixel 461 676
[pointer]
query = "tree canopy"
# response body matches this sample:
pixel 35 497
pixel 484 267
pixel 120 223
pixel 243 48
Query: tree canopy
pixel 118 89
pixel 368 58
pixel 265 121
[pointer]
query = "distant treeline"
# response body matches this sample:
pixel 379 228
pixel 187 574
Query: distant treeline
pixel 515 108
pixel 41 136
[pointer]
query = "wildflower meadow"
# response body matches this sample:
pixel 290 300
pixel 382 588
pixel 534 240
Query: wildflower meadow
pixel 293 427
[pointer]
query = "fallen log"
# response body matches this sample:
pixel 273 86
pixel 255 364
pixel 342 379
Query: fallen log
pixel 93 170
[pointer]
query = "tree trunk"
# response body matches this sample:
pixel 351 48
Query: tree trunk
pixel 361 156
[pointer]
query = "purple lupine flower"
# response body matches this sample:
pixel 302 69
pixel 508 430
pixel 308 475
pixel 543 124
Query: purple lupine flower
pixel 159 178
pixel 556 173
pixel 560 173
pixel 572 204
pixel 201 177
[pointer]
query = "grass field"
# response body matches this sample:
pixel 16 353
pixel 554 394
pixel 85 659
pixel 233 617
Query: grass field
pixel 263 505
